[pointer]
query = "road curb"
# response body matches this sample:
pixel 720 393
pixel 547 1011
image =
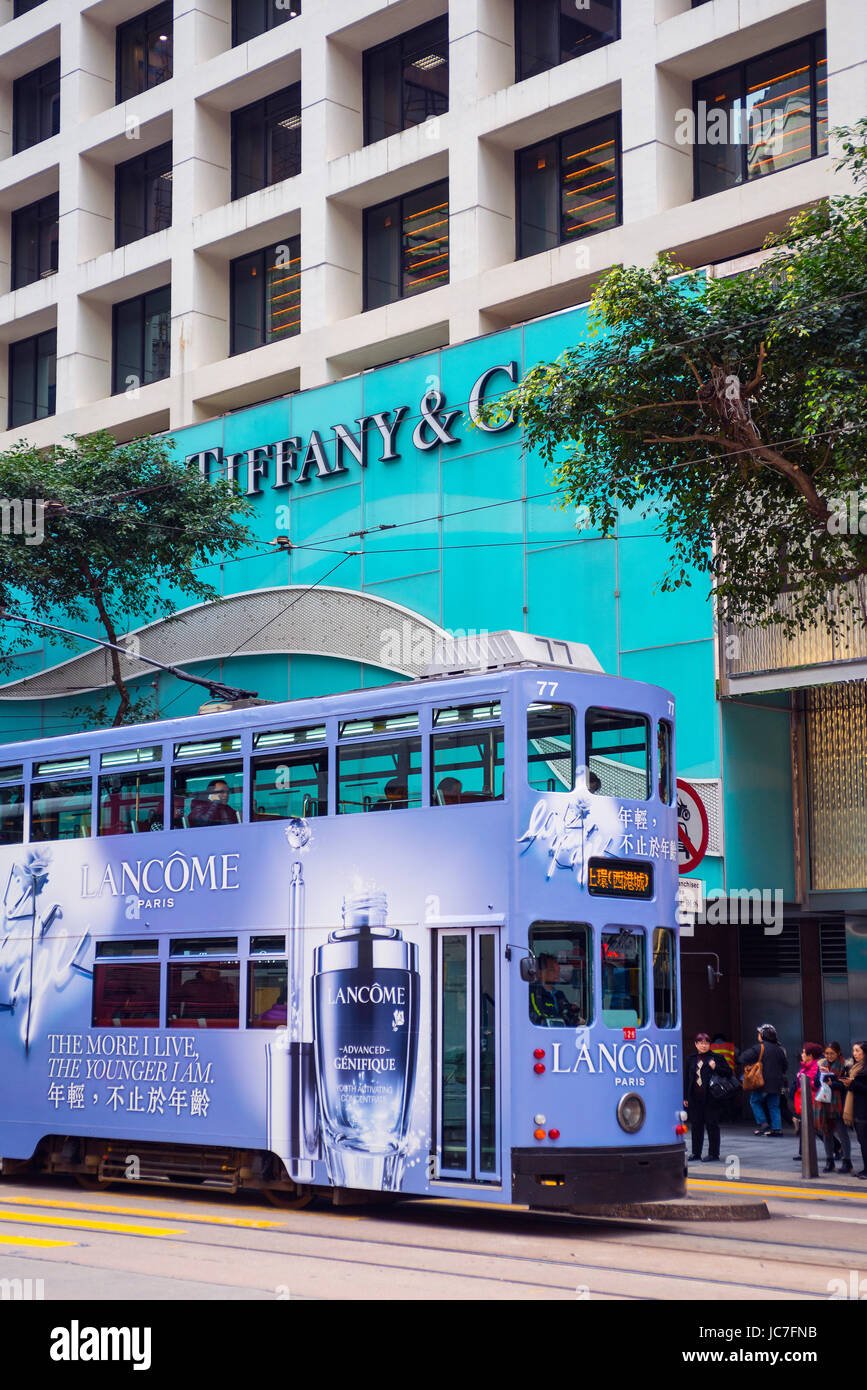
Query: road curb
pixel 696 1208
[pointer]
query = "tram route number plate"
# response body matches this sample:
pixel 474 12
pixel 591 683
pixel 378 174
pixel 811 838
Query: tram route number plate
pixel 620 878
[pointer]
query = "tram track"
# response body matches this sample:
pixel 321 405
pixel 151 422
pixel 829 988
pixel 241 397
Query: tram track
pixel 614 1259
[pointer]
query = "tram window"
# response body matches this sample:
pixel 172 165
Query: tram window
pixel 377 724
pixel 663 748
pixel 11 815
pixel 203 946
pixel 562 997
pixel 467 767
pixel 208 748
pixel 60 810
pixel 381 776
pixel 211 794
pixel 618 754
pixel 624 986
pixel 266 993
pixel 126 995
pixel 664 978
pixel 12 774
pixel 466 714
pixel 277 737
pixel 123 756
pixel 203 994
pixel 267 945
pixel 130 802
pixel 293 784
pixel 551 748
pixel 126 948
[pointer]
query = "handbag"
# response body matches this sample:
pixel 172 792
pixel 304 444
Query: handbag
pixel 722 1087
pixel 754 1077
pixel 824 1095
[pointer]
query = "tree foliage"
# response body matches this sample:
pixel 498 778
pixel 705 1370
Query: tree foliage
pixel 733 410
pixel 126 528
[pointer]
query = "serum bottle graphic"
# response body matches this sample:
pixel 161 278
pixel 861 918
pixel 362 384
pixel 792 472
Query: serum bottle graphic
pixel 365 1005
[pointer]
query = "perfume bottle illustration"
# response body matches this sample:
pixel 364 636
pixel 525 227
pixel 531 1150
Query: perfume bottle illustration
pixel 293 1129
pixel 366 1004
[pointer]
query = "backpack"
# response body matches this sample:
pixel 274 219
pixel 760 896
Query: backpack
pixel 754 1077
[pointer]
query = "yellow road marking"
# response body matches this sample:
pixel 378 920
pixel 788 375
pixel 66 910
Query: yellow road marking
pixel 84 1224
pixel 772 1190
pixel 137 1211
pixel 30 1240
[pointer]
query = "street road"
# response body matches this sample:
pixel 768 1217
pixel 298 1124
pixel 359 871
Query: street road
pixel 142 1244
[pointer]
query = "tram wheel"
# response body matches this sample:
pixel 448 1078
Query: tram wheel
pixel 91 1183
pixel 296 1200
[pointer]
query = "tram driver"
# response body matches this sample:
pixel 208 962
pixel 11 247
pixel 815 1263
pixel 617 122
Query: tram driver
pixel 548 1005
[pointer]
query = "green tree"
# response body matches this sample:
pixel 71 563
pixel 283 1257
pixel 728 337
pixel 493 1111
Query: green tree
pixel 123 526
pixel 733 411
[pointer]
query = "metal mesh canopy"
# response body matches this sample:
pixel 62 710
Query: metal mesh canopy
pixel 291 620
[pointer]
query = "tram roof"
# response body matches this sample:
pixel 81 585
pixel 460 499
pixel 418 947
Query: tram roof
pixel 511 656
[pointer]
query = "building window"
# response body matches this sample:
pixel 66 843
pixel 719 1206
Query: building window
pixel 761 116
pixel 32 378
pixel 406 81
pixel 406 245
pixel 143 195
pixel 253 17
pixel 266 295
pixel 266 141
pixel 36 106
pixel 144 52
pixel 550 32
pixel 34 241
pixel 25 6
pixel 569 186
pixel 142 329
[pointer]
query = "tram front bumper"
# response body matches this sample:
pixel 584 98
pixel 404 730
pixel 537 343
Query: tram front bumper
pixel 597 1177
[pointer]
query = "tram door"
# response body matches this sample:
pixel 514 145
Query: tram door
pixel 468 1058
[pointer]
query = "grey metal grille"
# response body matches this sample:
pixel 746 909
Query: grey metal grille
pixel 291 620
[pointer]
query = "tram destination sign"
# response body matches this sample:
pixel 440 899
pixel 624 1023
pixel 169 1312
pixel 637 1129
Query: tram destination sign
pixel 620 878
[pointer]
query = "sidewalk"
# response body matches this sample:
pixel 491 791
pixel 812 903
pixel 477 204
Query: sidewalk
pixel 771 1160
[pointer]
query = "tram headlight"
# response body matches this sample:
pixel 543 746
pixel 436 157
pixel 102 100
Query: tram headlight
pixel 631 1112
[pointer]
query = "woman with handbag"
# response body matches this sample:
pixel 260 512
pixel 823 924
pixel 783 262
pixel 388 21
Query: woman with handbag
pixel 810 1054
pixel 829 1107
pixel 704 1110
pixel 765 1066
pixel 855 1109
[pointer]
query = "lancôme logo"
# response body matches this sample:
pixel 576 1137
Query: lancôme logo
pixel 77 1343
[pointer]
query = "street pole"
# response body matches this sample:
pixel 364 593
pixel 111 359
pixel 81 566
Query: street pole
pixel 809 1162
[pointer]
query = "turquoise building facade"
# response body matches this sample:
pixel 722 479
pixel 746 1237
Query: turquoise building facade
pixel 384 486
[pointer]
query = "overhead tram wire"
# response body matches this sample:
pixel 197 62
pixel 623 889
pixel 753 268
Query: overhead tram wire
pixel 296 599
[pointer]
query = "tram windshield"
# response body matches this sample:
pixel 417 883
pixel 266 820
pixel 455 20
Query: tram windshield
pixel 624 978
pixel 562 996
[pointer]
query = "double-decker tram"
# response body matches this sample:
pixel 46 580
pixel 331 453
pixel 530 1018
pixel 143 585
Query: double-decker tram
pixel 419 940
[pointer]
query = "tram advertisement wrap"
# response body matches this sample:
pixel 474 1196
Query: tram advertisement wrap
pixel 345 935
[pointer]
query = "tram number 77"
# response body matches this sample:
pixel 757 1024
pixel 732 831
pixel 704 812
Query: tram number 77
pixel 549 686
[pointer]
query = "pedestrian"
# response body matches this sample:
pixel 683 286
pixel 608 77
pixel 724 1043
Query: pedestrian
pixel 703 1110
pixel 725 1049
pixel 829 1114
pixel 765 1099
pixel 810 1054
pixel 855 1109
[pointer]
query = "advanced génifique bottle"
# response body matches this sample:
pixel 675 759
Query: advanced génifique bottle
pixel 365 1007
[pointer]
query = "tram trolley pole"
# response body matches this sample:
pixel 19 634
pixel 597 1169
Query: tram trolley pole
pixel 809 1162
